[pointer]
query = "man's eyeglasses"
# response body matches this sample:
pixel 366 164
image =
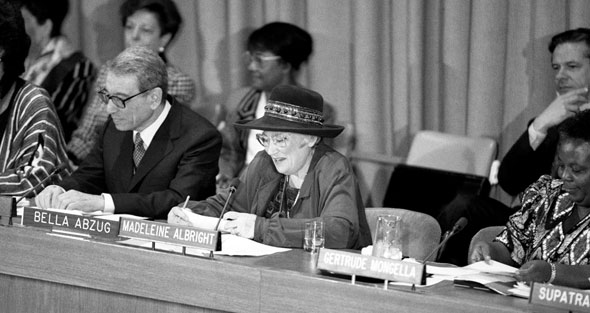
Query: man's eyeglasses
pixel 258 58
pixel 104 96
pixel 280 141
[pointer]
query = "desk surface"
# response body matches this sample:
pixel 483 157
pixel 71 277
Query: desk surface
pixel 43 272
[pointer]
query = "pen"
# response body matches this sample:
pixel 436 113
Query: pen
pixel 184 207
pixel 186 202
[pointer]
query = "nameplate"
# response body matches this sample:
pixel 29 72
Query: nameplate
pixel 49 219
pixel 169 233
pixel 368 266
pixel 568 299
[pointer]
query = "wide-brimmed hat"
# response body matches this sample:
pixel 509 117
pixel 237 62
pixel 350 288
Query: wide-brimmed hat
pixel 295 110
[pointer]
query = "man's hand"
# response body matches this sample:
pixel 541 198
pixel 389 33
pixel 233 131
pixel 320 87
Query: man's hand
pixel 562 107
pixel 536 270
pixel 240 224
pixel 481 252
pixel 47 198
pixel 75 200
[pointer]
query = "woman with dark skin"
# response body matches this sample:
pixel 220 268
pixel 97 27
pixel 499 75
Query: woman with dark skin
pixel 549 237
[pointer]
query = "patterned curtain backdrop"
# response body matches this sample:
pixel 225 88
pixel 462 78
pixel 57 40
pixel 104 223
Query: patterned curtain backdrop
pixel 390 68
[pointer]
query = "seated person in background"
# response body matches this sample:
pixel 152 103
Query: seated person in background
pixel 295 180
pixel 149 23
pixel 532 155
pixel 152 153
pixel 53 63
pixel 549 237
pixel 275 53
pixel 31 139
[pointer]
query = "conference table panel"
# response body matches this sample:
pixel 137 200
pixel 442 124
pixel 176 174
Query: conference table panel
pixel 302 294
pixel 69 275
pixel 31 253
pixel 28 295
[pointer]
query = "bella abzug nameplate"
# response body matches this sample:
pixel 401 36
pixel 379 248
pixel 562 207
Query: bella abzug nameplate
pixel 50 219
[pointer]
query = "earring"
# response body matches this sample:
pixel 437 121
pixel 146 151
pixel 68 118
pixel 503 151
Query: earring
pixel 161 50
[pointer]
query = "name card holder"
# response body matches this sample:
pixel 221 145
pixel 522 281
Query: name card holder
pixel 79 224
pixel 570 299
pixel 184 236
pixel 353 264
pixel 7 210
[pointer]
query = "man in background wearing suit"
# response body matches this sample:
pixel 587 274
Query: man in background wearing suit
pixel 153 151
pixel 533 153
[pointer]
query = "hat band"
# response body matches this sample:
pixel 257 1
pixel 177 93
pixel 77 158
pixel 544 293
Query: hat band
pixel 293 113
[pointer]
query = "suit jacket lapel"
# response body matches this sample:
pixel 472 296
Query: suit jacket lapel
pixel 124 162
pixel 161 145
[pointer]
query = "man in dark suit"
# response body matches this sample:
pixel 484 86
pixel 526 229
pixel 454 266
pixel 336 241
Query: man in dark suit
pixel 533 153
pixel 153 152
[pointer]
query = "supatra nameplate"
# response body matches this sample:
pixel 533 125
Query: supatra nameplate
pixel 568 299
pixel 87 225
pixel 175 234
pixel 349 263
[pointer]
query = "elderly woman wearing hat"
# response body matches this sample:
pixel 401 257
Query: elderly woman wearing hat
pixel 295 179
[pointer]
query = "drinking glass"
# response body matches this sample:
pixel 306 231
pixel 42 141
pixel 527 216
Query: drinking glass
pixel 387 237
pixel 314 236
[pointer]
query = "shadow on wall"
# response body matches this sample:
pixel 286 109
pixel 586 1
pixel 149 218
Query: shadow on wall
pixel 231 72
pixel 106 24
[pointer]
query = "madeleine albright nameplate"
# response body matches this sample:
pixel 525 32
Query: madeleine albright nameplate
pixel 175 234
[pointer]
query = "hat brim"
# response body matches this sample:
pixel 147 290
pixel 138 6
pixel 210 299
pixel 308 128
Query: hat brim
pixel 274 124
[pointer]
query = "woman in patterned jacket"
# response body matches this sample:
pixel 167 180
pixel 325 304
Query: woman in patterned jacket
pixel 31 139
pixel 549 237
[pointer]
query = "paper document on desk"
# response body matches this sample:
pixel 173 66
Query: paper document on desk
pixel 201 221
pixel 493 267
pixel 475 268
pixel 521 290
pixel 240 246
pixel 494 276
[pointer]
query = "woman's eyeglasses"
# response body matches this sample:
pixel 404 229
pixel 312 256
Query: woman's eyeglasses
pixel 258 58
pixel 104 96
pixel 280 141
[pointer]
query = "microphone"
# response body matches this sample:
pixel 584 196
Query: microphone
pixel 233 185
pixel 57 170
pixel 459 225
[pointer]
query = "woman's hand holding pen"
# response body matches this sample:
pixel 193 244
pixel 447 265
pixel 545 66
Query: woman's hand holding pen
pixel 177 215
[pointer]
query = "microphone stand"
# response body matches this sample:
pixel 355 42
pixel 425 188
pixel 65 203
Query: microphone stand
pixel 57 170
pixel 232 188
pixel 459 225
pixel 8 204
